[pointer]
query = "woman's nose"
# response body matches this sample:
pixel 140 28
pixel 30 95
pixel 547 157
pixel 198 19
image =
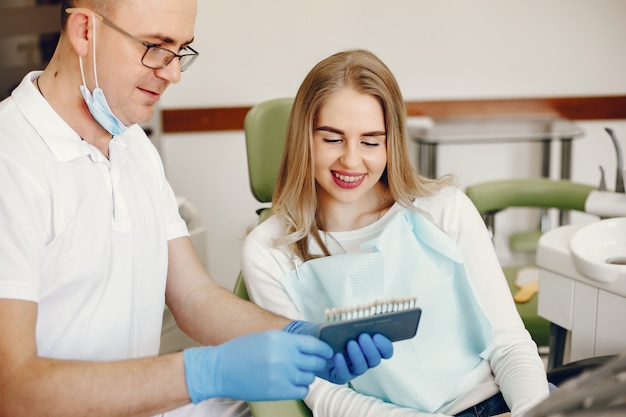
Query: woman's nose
pixel 350 156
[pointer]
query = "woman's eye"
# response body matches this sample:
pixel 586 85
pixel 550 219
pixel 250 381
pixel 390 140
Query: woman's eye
pixel 332 140
pixel 372 144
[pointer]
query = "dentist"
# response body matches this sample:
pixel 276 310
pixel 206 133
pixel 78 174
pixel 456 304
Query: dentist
pixel 93 246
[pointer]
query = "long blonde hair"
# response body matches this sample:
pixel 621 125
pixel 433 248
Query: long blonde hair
pixel 295 198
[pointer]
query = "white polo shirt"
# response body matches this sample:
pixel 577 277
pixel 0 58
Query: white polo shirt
pixel 83 236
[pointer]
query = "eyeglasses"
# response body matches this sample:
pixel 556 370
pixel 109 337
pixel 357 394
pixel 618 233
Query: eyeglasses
pixel 155 57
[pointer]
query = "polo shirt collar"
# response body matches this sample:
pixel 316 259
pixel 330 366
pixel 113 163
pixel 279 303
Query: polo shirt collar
pixel 60 138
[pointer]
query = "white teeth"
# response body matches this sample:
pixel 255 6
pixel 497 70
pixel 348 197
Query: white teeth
pixel 347 178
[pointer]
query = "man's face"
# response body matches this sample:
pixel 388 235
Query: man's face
pixel 131 88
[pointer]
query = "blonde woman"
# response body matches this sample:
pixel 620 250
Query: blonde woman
pixel 353 222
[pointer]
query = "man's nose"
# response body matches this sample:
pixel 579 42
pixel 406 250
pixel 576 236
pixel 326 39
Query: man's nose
pixel 171 72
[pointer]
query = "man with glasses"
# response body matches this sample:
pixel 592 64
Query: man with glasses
pixel 93 244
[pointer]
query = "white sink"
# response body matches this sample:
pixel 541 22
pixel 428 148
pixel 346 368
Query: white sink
pixel 599 250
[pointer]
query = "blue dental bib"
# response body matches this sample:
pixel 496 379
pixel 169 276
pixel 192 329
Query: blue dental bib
pixel 412 256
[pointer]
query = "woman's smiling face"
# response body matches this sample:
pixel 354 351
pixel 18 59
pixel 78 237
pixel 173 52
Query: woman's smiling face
pixel 350 149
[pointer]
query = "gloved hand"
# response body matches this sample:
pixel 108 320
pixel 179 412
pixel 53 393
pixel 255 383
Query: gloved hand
pixel 265 366
pixel 363 354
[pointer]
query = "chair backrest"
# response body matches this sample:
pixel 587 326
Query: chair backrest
pixel 240 289
pixel 265 128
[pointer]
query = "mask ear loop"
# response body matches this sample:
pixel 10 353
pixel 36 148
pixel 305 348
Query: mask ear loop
pixel 95 67
pixel 82 72
pixel 80 58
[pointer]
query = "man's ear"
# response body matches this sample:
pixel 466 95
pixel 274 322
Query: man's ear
pixel 79 30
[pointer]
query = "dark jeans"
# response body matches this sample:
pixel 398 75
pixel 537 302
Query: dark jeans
pixel 490 407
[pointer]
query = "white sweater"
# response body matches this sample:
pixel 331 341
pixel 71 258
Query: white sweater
pixel 515 367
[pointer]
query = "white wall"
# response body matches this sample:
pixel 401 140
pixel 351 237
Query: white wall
pixel 444 49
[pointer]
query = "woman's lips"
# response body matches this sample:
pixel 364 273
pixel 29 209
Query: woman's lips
pixel 347 181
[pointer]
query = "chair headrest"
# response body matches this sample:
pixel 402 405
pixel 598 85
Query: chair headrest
pixel 265 128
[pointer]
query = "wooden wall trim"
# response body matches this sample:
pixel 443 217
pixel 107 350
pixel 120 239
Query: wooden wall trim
pixel 573 108
pixel 203 119
pixel 30 19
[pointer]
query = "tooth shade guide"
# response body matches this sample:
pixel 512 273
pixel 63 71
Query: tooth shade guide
pixel 370 309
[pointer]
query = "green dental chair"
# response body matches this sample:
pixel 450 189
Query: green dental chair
pixel 265 128
pixel 493 197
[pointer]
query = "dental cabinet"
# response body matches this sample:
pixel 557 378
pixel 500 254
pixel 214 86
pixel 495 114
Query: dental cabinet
pixel 591 307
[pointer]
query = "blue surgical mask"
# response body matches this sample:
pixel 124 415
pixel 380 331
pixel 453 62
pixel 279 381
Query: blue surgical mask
pixel 99 109
pixel 96 102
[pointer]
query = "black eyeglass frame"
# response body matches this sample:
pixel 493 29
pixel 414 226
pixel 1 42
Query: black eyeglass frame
pixel 184 64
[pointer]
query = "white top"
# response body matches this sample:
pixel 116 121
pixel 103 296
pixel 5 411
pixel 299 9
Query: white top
pixel 83 236
pixel 513 363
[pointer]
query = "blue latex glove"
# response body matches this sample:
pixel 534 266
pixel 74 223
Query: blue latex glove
pixel 363 354
pixel 265 366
